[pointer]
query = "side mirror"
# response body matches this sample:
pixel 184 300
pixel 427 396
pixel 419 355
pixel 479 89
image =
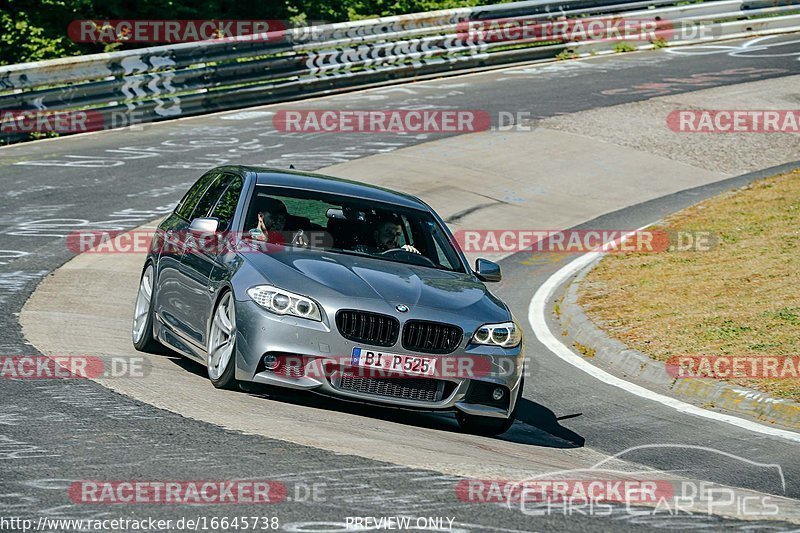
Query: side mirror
pixel 487 270
pixel 204 226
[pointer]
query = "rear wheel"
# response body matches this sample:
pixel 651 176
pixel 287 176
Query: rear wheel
pixel 485 425
pixel 142 330
pixel 221 349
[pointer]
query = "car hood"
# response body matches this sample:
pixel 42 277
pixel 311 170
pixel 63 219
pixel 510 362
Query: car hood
pixel 323 275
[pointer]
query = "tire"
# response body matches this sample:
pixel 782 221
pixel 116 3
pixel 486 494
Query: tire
pixel 489 426
pixel 221 345
pixel 142 328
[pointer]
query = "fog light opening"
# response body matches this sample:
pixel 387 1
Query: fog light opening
pixel 497 394
pixel 271 362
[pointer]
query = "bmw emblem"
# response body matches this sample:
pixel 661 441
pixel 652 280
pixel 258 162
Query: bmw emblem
pixel 402 308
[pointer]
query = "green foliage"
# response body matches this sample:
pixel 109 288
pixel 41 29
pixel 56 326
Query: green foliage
pixel 659 43
pixel 790 315
pixel 24 38
pixel 339 10
pixel 623 47
pixel 34 30
pixel 37 29
pixel 567 54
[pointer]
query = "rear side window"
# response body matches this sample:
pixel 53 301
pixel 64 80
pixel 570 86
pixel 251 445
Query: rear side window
pixel 212 194
pixel 189 202
pixel 226 206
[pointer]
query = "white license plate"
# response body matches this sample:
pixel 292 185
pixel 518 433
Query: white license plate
pixel 404 364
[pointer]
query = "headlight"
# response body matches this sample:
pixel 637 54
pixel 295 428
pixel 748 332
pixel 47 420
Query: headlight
pixel 506 335
pixel 283 302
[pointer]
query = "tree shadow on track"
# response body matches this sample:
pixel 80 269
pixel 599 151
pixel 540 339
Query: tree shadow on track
pixel 536 425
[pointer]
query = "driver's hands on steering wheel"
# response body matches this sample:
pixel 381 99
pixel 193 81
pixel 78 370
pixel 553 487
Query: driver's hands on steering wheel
pixel 408 249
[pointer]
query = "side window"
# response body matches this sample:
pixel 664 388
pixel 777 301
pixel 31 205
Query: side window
pixel 211 196
pixel 189 202
pixel 226 206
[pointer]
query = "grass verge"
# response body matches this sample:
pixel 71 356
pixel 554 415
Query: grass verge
pixel 740 298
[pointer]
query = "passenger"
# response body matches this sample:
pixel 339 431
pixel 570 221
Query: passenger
pixel 272 221
pixel 272 216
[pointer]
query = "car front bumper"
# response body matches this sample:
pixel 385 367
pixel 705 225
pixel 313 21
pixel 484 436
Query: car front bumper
pixel 321 362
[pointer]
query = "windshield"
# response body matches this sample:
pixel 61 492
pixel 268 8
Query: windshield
pixel 340 224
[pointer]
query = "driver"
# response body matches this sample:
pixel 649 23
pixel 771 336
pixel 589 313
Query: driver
pixel 387 237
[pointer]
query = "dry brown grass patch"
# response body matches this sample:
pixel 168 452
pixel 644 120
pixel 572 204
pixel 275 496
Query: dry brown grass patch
pixel 739 299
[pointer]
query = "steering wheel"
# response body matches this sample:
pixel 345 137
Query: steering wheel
pixel 408 257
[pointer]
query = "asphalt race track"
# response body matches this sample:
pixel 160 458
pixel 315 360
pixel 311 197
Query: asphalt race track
pixel 54 432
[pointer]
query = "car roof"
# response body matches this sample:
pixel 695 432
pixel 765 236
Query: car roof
pixel 318 182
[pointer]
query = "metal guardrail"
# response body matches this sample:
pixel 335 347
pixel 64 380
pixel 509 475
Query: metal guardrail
pixel 162 82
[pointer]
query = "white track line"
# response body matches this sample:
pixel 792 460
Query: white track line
pixel 536 317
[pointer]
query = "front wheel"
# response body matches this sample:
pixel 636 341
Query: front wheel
pixel 221 349
pixel 142 330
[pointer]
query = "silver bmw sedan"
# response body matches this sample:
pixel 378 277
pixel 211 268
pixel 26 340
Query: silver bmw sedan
pixel 309 282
